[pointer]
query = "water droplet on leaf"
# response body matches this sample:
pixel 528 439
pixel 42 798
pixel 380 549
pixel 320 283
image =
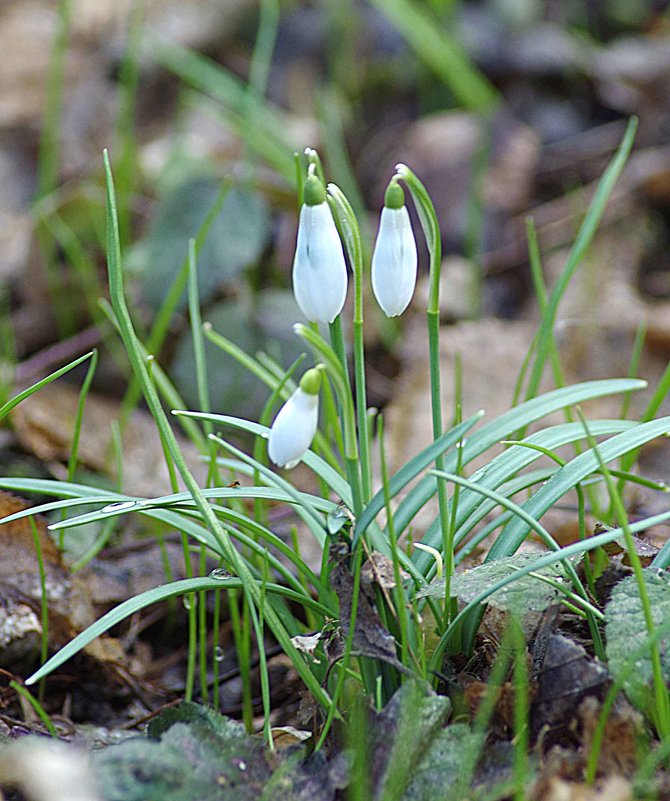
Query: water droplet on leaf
pixel 219 573
pixel 118 506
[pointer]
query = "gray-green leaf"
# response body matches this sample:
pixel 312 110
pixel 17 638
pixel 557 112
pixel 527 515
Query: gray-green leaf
pixel 626 633
pixel 527 594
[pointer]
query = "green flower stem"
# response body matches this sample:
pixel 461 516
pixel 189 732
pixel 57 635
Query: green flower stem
pixel 431 230
pixel 350 231
pixel 236 562
pixel 399 593
pixel 339 347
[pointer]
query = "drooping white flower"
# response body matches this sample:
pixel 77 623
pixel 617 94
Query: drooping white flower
pixel 394 261
pixel 295 426
pixel 319 270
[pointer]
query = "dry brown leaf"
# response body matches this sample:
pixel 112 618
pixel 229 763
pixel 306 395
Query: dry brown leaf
pixel 70 609
pixel 370 637
pixel 378 570
pixel 619 746
pixel 567 674
pixel 614 788
pixel 286 736
pixel 44 424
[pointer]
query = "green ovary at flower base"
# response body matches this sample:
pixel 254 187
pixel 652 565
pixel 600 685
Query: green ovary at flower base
pixel 295 426
pixel 394 261
pixel 319 269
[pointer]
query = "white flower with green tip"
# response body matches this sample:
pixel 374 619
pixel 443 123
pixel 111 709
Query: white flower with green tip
pixel 295 426
pixel 394 261
pixel 319 269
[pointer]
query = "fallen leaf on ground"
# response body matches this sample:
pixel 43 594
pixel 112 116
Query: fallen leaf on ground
pixel 567 674
pixel 44 424
pixel 70 608
pixel 370 637
pixel 614 788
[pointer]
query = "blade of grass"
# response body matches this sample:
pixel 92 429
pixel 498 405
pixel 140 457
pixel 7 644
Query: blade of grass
pixel 233 558
pixel 257 121
pixel 583 240
pixel 412 469
pixel 12 402
pixel 662 707
pixel 551 558
pixel 472 506
pixel 79 416
pixel 138 602
pixel 502 427
pixel 440 51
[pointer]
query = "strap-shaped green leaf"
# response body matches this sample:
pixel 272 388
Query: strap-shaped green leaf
pixel 569 476
pixel 410 470
pixel 153 596
pixel 504 426
pixel 472 507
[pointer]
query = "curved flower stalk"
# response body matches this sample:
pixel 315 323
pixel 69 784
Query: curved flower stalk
pixel 295 426
pixel 319 270
pixel 394 261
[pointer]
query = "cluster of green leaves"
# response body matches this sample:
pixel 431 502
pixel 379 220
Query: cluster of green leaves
pixel 264 578
pixel 265 571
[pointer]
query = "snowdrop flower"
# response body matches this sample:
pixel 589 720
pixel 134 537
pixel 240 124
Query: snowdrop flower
pixel 319 271
pixel 294 427
pixel 394 259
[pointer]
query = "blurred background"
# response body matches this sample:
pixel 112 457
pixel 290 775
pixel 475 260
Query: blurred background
pixel 503 108
pixel 506 110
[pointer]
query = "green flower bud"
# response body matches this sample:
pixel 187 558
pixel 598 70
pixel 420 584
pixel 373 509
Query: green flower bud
pixel 395 196
pixel 314 191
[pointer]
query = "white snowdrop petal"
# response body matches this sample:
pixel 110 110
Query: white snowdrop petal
pixel 293 429
pixel 319 269
pixel 394 262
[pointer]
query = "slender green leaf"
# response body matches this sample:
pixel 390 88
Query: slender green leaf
pixel 569 476
pixel 410 470
pixel 584 238
pixel 473 506
pixel 155 595
pixel 12 402
pixel 505 425
pixel 322 469
pixel 551 558
pixel 261 125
